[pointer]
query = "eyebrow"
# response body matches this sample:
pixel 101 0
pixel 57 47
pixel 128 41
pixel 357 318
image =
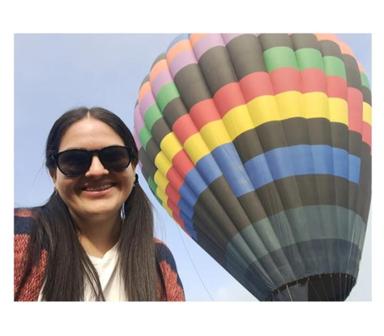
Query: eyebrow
pixel 88 149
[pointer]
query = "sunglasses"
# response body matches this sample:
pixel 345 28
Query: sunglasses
pixel 76 162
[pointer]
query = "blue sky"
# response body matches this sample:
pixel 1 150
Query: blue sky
pixel 56 72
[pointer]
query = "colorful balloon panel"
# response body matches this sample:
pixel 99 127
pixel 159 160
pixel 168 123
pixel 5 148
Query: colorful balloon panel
pixel 259 146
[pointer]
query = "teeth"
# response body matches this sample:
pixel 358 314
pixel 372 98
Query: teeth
pixel 98 188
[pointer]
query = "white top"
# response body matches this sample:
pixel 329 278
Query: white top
pixel 109 275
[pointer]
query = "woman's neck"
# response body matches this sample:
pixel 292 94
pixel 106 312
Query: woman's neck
pixel 98 235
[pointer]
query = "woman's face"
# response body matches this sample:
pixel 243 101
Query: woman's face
pixel 99 192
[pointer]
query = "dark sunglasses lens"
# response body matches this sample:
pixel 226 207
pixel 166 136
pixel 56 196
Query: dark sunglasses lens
pixel 74 162
pixel 115 158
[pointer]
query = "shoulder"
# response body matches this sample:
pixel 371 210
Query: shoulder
pixel 24 223
pixel 28 275
pixel 172 283
pixel 24 220
pixel 163 253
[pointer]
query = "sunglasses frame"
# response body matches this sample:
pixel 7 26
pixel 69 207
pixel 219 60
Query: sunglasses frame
pixel 90 154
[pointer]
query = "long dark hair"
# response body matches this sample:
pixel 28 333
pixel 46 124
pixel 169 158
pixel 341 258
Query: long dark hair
pixel 68 264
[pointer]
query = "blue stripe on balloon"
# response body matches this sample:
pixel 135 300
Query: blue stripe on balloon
pixel 265 168
pixel 302 160
pixel 196 185
pixel 188 225
pixel 354 168
pixel 208 169
pixel 232 168
pixel 186 209
pixel 186 214
pixel 224 161
pixel 187 199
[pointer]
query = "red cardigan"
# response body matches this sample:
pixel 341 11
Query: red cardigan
pixel 27 286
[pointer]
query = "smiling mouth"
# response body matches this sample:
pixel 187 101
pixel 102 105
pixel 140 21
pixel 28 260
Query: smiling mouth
pixel 98 188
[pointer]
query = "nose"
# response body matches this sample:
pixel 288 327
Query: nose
pixel 96 168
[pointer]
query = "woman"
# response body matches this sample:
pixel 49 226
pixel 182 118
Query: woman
pixel 93 239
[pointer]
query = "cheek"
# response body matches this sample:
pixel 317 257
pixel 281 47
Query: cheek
pixel 128 185
pixel 64 186
pixel 129 180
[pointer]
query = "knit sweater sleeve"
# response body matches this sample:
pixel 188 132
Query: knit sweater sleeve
pixel 173 288
pixel 28 279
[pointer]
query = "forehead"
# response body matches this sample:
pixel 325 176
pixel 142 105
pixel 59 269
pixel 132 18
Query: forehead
pixel 89 133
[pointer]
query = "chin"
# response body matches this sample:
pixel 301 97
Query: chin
pixel 100 209
pixel 103 211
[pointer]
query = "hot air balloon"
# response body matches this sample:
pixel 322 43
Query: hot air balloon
pixel 259 147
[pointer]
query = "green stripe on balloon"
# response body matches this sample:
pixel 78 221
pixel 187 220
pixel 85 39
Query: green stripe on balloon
pixel 309 58
pixel 152 185
pixel 364 80
pixel 166 94
pixel 280 57
pixel 151 116
pixel 334 66
pixel 144 136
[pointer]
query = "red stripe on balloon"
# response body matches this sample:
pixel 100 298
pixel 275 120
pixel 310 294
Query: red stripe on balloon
pixel 173 199
pixel 184 127
pixel 204 112
pixel 255 85
pixel 172 205
pixel 173 195
pixel 260 84
pixel 367 133
pixel 176 214
pixel 285 79
pixel 228 97
pixel 355 107
pixel 336 87
pixel 313 80
pixel 182 163
pixel 174 178
pixel 179 221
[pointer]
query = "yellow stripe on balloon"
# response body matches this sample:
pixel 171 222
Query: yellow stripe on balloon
pixel 263 109
pixel 338 110
pixel 315 105
pixel 167 208
pixel 162 163
pixel 196 147
pixel 367 113
pixel 170 145
pixel 170 212
pixel 161 181
pixel 238 121
pixel 215 134
pixel 289 104
pixel 319 105
pixel 163 197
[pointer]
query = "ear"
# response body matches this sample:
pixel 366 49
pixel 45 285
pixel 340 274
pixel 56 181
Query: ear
pixel 52 173
pixel 134 165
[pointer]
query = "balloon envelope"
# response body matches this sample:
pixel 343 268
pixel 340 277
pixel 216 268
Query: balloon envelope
pixel 259 146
